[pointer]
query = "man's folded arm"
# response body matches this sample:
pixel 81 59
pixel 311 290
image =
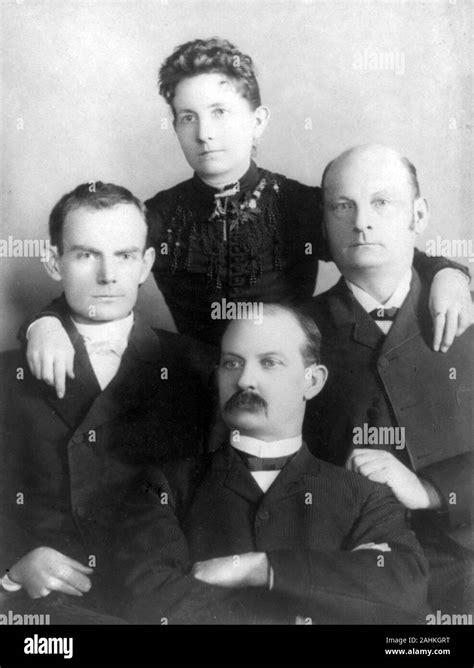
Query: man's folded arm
pixel 389 579
pixel 152 561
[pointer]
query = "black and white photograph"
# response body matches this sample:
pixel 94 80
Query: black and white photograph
pixel 236 338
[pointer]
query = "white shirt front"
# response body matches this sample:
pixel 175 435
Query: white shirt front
pixel 369 303
pixel 105 344
pixel 265 449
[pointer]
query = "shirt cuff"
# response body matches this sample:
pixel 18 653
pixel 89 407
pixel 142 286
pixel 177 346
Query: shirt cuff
pixel 465 274
pixel 43 315
pixel 9 585
pixel 270 577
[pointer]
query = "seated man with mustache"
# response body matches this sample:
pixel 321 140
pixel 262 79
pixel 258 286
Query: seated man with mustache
pixel 291 537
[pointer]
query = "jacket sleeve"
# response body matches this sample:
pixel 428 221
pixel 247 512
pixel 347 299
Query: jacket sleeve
pixel 366 585
pixel 152 561
pixel 58 308
pixel 428 266
pixel 452 478
pixel 15 538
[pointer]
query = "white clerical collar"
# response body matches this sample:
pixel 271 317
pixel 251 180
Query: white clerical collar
pixel 257 448
pixel 369 303
pixel 104 331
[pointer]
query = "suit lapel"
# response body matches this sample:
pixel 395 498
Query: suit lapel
pixel 143 348
pixel 366 332
pixel 348 313
pixel 80 391
pixel 237 476
pixel 288 482
pixel 85 406
pixel 407 324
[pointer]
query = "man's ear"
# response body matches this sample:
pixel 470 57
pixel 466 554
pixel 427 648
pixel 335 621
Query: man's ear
pixel 420 214
pixel 316 376
pixel 148 261
pixel 324 228
pixel 51 264
pixel 262 114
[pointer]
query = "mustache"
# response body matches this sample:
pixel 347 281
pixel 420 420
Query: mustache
pixel 245 399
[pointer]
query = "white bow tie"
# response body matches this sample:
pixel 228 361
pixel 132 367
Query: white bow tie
pixel 105 347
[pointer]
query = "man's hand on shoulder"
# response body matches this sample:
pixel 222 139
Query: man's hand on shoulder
pixel 240 570
pixel 451 307
pixel 50 353
pixel 383 467
pixel 44 570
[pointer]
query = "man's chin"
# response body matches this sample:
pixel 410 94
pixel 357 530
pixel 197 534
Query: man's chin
pixel 100 316
pixel 366 253
pixel 368 262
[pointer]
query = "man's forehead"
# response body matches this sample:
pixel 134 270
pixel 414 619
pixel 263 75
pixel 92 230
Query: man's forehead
pixel 123 212
pixel 276 333
pixel 375 175
pixel 109 224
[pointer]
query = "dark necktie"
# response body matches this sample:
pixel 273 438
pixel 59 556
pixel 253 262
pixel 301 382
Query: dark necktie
pixel 384 313
pixel 254 463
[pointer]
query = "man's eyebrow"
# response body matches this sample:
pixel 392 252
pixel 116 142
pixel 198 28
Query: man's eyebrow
pixel 96 251
pixel 230 354
pixel 80 247
pixel 331 198
pixel 276 353
pixel 131 249
pixel 213 105
pixel 382 193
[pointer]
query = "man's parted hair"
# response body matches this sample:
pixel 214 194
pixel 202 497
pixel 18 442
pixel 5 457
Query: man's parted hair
pixel 311 348
pixel 203 56
pixel 92 195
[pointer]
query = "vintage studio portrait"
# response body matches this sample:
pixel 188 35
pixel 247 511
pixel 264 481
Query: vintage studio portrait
pixel 236 341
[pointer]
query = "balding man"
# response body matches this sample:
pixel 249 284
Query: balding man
pixel 394 410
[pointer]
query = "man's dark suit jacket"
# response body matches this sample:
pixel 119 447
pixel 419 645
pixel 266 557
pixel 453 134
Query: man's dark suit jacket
pixel 308 522
pixel 397 380
pixel 66 463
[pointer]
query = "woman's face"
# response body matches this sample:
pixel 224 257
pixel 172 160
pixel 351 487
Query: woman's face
pixel 216 127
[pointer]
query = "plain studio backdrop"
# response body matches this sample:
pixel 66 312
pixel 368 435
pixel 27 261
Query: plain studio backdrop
pixel 80 103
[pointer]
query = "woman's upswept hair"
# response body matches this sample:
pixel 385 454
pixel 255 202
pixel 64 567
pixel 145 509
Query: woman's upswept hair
pixel 202 56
